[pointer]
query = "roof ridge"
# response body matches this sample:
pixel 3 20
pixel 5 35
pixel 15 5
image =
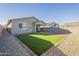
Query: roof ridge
pixel 23 17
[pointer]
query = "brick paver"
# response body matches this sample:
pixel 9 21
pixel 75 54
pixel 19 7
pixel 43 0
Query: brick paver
pixel 11 47
pixel 68 47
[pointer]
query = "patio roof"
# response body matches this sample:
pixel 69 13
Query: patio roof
pixel 40 23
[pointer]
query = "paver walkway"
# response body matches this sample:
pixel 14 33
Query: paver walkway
pixel 10 46
pixel 68 47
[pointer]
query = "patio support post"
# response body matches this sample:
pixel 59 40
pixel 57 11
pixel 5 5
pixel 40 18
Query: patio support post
pixel 35 27
pixel 44 28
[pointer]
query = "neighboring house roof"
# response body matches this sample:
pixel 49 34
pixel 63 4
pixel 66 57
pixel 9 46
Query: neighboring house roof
pixel 41 23
pixel 52 24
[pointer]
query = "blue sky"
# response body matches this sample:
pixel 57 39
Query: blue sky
pixel 60 13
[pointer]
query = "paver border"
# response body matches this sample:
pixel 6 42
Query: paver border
pixel 45 53
pixel 26 48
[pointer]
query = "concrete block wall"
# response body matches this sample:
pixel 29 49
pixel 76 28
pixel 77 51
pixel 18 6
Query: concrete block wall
pixel 1 29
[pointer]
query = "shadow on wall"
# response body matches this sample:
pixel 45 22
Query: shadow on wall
pixel 56 30
pixel 38 45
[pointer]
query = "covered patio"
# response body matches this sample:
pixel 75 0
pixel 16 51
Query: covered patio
pixel 40 26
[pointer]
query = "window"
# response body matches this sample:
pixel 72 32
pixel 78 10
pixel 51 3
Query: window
pixel 20 25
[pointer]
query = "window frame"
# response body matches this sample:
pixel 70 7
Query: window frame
pixel 20 25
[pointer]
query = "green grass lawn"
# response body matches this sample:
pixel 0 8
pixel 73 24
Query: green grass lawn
pixel 39 42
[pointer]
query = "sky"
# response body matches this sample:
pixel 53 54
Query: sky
pixel 60 13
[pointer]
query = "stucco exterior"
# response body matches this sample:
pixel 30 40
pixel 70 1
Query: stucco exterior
pixel 28 28
pixel 28 25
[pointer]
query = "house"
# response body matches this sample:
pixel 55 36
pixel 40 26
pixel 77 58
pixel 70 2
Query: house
pixel 29 25
pixel 51 26
pixel 25 25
